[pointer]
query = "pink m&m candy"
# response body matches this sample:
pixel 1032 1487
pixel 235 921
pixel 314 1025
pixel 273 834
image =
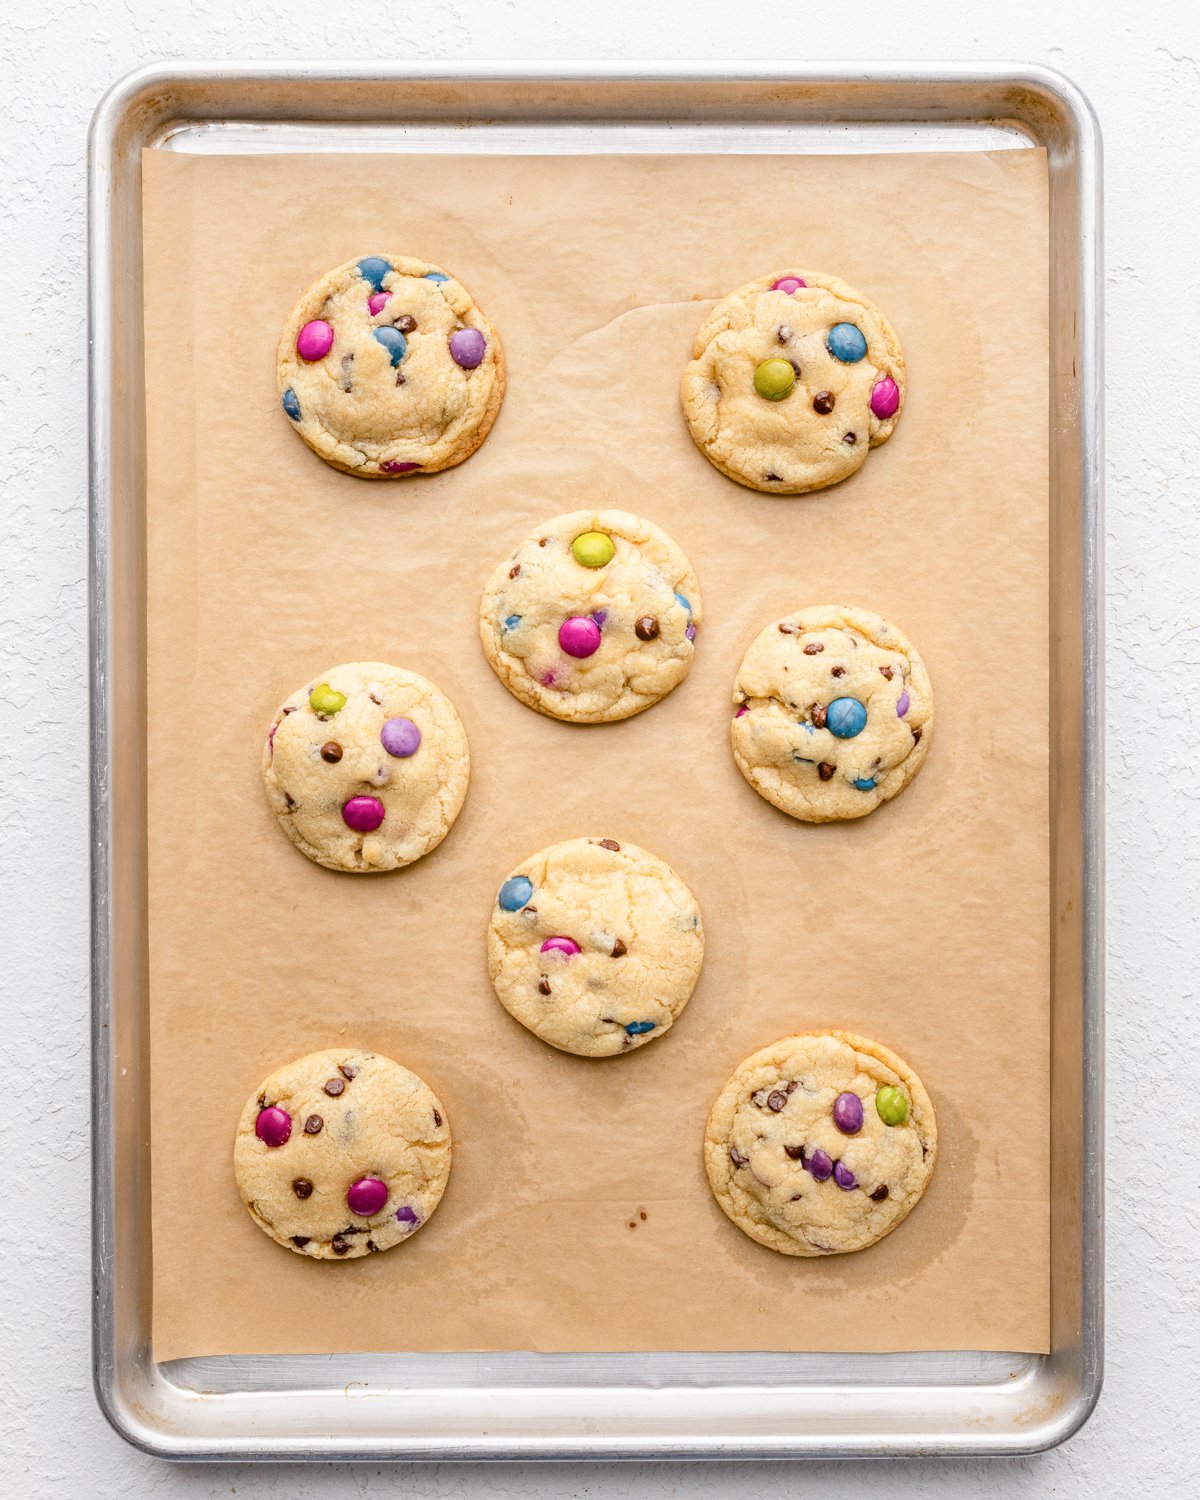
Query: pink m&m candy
pixel 377 301
pixel 363 814
pixel 315 340
pixel 788 284
pixel 579 636
pixel 562 945
pixel 273 1125
pixel 366 1196
pixel 885 398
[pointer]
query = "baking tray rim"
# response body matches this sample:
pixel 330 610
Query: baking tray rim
pixel 1048 1422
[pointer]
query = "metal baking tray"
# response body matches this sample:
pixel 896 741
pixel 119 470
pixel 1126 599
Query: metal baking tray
pixel 548 1406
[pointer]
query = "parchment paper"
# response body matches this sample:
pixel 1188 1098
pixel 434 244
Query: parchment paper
pixel 578 1216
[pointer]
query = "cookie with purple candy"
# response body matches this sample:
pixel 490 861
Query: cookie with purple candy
pixel 342 1153
pixel 387 367
pixel 820 1144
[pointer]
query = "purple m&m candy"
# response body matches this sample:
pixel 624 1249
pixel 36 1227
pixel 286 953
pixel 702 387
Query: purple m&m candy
pixel 467 346
pixel 844 1177
pixel 408 1217
pixel 848 1113
pixel 314 340
pixel 395 466
pixel 788 284
pixel 363 814
pixel 562 945
pixel 885 398
pixel 366 1196
pixel 820 1165
pixel 377 301
pixel 579 636
pixel 400 737
pixel 273 1125
pixel 902 704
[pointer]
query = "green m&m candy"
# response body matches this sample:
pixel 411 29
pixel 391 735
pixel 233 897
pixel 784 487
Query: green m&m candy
pixel 774 379
pixel 593 549
pixel 323 699
pixel 891 1104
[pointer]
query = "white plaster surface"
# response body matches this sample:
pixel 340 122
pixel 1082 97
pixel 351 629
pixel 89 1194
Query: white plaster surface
pixel 1140 64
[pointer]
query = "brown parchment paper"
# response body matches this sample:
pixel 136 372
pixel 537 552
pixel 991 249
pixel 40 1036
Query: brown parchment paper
pixel 578 1216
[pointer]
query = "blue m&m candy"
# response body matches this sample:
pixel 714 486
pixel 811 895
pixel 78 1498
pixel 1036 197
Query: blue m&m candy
pixel 393 341
pixel 865 784
pixel 374 268
pixel 435 276
pixel 512 622
pixel 515 893
pixel 845 717
pixel 845 342
pixel 291 404
pixel 685 604
pixel 639 1028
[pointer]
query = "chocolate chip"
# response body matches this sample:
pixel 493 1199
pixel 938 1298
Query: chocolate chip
pixel 880 1193
pixel 839 671
pixel 371 1245
pixel 287 796
pixel 400 380
pixel 619 949
pixel 331 751
pixel 887 672
pixel 817 713
pixel 302 1187
pixel 823 402
pixel 783 332
pixel 406 323
pixel 313 1125
pixel 787 628
pixel 646 628
pixel 299 1240
pixel 772 479
pixel 793 1085
pixel 543 986
pixel 333 1087
pixel 543 540
pixel 776 1099
pixel 916 734
pixel 437 1118
pixel 736 1157
pixel 348 1071
pixel 339 1244
pixel 795 1152
pixel 851 438
pixel 825 771
pixel 515 572
pixel 375 698
pixel 610 844
pixel 795 364
pixel 795 1198
pixel 290 710
pixel 814 648
pixel 345 380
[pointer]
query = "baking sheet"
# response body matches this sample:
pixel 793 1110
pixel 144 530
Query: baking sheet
pixel 925 925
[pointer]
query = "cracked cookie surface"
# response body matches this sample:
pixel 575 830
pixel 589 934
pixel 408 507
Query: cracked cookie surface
pixel 595 946
pixel 834 713
pixel 342 1153
pixel 386 367
pixel 595 640
pixel 794 377
pixel 820 1144
pixel 366 767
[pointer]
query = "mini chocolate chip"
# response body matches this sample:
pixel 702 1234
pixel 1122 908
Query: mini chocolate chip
pixel 437 1118
pixel 333 1087
pixel 776 1099
pixel 302 1187
pixel 400 380
pixel 346 378
pixel 795 364
pixel 348 1071
pixel 290 801
pixel 331 751
pixel 825 771
pixel 610 844
pixel 818 714
pixel 787 628
pixel 772 479
pixel 542 541
pixel 646 628
pixel 887 672
pixel 619 949
pixel 814 648
pixel 371 1245
pixel 375 698
pixel 795 1152
pixel 339 1244
pixel 793 1085
pixel 850 437
pixel 839 671
pixel 783 332
pixel 406 323
pixel 823 402
pixel 290 710
pixel 543 986
pixel 313 1125
pixel 299 1240
pixel 916 734
pixel 515 572
pixel 795 1198
pixel 880 1193
pixel 736 1157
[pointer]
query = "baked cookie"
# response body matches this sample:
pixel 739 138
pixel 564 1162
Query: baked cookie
pixel 820 1144
pixel 342 1153
pixel 595 946
pixel 793 378
pixel 835 713
pixel 592 618
pixel 366 767
pixel 387 367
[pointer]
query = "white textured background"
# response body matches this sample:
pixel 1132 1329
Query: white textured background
pixel 1140 64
